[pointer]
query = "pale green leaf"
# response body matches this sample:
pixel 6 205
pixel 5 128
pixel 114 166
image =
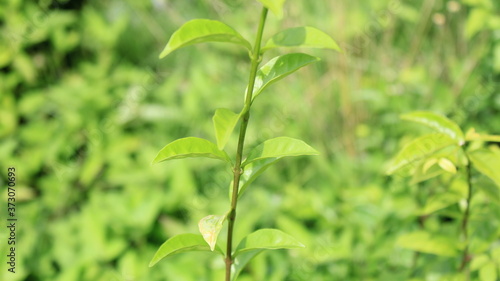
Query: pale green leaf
pixel 419 149
pixel 495 255
pixel 203 30
pixel 422 241
pixel 476 21
pixel 278 68
pixel 419 175
pixel 279 147
pixel 275 6
pixel 210 227
pixel 487 162
pixel 488 272
pixel 437 122
pixel 479 261
pixel 267 239
pixel 241 261
pixel 429 163
pixel 303 36
pixel 188 148
pixel 447 165
pixel 179 244
pixel 472 135
pixel 224 122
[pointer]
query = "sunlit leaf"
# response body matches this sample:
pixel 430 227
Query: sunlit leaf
pixel 418 175
pixel 278 68
pixel 479 261
pixel 179 244
pixel 303 36
pixel 203 30
pixel 429 163
pixel 476 21
pixel 487 162
pixel 188 148
pixel 418 149
pixel 224 122
pixel 472 135
pixel 425 242
pixel 210 227
pixel 275 6
pixel 488 272
pixel 241 261
pixel 279 147
pixel 437 122
pixel 447 165
pixel 267 239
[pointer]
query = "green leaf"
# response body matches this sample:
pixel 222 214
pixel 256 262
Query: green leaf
pixel 447 165
pixel 279 147
pixel 267 239
pixel 419 149
pixel 437 122
pixel 487 163
pixel 275 6
pixel 241 261
pixel 179 244
pixel 203 30
pixel 429 163
pixel 479 261
pixel 422 241
pixel 472 135
pixel 210 227
pixel 440 201
pixel 252 171
pixel 188 148
pixel 304 36
pixel 278 68
pixel 488 272
pixel 224 122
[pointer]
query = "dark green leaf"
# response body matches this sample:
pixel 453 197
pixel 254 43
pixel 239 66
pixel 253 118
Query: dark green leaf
pixel 418 149
pixel 437 122
pixel 224 122
pixel 179 244
pixel 190 147
pixel 278 68
pixel 303 36
pixel 279 147
pixel 203 30
pixel 267 239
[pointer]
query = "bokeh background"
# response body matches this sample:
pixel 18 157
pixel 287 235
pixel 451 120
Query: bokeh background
pixel 85 104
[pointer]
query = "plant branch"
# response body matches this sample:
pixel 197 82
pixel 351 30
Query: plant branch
pixel 465 219
pixel 255 57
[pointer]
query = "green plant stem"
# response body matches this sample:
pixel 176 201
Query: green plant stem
pixel 465 219
pixel 255 57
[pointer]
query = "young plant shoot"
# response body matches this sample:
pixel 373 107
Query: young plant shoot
pixel 245 166
pixel 446 151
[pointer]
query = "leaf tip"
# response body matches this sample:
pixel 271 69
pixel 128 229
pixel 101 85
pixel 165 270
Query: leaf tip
pixel 152 263
pixel 164 53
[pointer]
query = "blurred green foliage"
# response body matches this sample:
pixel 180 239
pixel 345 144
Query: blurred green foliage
pixel 85 104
